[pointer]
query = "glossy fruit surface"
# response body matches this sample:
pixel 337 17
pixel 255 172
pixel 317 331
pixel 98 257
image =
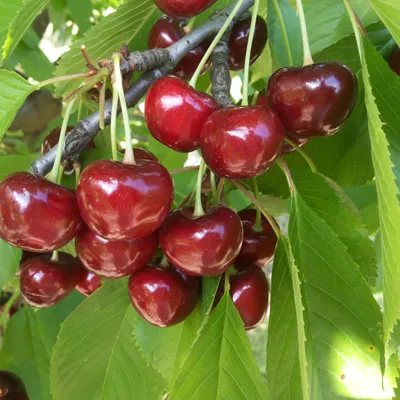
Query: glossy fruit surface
pixel 394 62
pixel 12 387
pixel 183 8
pixel 88 282
pixel 36 214
pixel 167 31
pixel 239 39
pixel 120 201
pixel 314 100
pixel 241 142
pixel 163 296
pixel 114 259
pixel 175 113
pixel 143 154
pixel 205 245
pixel 44 282
pixel 258 247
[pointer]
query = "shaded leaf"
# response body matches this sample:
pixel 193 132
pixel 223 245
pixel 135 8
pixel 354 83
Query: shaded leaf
pixel 389 13
pixel 9 261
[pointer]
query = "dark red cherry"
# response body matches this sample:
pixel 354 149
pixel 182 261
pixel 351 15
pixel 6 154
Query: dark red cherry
pixel 183 8
pixel 36 214
pixel 205 245
pixel 239 39
pixel 394 62
pixel 167 31
pixel 314 100
pixel 45 282
pixel 175 113
pixel 123 201
pixel 12 387
pixel 114 259
pixel 143 154
pixel 88 282
pixel 241 142
pixel 258 246
pixel 163 296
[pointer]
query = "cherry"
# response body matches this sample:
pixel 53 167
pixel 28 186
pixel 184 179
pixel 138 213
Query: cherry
pixel 163 296
pixel 123 201
pixel 114 259
pixel 45 282
pixel 167 31
pixel 175 113
pixel 258 247
pixel 143 154
pixel 205 245
pixel 88 282
pixel 36 214
pixel 314 100
pixel 241 142
pixel 12 387
pixel 394 62
pixel 238 42
pixel 183 8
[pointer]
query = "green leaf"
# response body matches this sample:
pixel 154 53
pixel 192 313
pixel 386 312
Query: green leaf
pixel 96 356
pixel 131 22
pixel 81 11
pixel 9 261
pixel 28 344
pixel 389 13
pixel 13 91
pixel 11 164
pixel 221 365
pixel 29 10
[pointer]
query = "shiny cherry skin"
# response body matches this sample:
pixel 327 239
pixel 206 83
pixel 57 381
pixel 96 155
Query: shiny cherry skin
pixel 36 214
pixel 163 296
pixel 88 282
pixel 12 387
pixel 45 283
pixel 114 259
pixel 183 8
pixel 122 201
pixel 143 154
pixel 241 142
pixel 175 113
pixel 239 39
pixel 167 31
pixel 314 100
pixel 394 62
pixel 205 245
pixel 258 247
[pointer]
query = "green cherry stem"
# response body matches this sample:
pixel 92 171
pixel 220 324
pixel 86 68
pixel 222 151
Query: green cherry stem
pixel 55 257
pixel 257 225
pixel 129 157
pixel 62 78
pixel 303 154
pixel 7 307
pixel 285 169
pixel 198 206
pixel 213 185
pixel 217 38
pixel 304 35
pixel 77 170
pixel 80 108
pixel 284 32
pixel 113 123
pixel 102 100
pixel 189 27
pixel 53 176
pixel 245 99
pixel 220 188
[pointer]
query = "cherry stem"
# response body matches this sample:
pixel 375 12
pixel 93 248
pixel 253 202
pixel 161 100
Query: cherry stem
pixel 213 186
pixel 284 32
pixel 303 154
pixel 284 167
pixel 269 218
pixel 257 226
pixel 62 78
pixel 102 100
pixel 53 176
pixel 77 170
pixel 80 108
pixel 113 123
pixel 189 27
pixel 185 169
pixel 129 157
pixel 226 282
pixel 55 257
pixel 306 44
pixel 245 98
pixel 220 188
pixel 164 262
pixel 7 307
pixel 60 174
pixel 198 206
pixel 217 38
pixel 86 56
pixel 255 98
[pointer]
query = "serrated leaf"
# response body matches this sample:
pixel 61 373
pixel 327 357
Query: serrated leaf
pixel 81 11
pixel 389 13
pixel 221 365
pixel 28 344
pixel 11 164
pixel 96 356
pixel 9 261
pixel 129 23
pixel 13 91
pixel 9 10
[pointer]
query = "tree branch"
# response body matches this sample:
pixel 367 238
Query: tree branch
pixel 87 128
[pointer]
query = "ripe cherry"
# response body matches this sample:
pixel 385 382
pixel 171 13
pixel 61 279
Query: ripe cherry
pixel 36 214
pixel 114 259
pixel 239 39
pixel 167 31
pixel 143 154
pixel 241 142
pixel 314 100
pixel 88 282
pixel 258 246
pixel 45 282
pixel 175 113
pixel 12 387
pixel 123 201
pixel 183 8
pixel 394 62
pixel 205 245
pixel 163 296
